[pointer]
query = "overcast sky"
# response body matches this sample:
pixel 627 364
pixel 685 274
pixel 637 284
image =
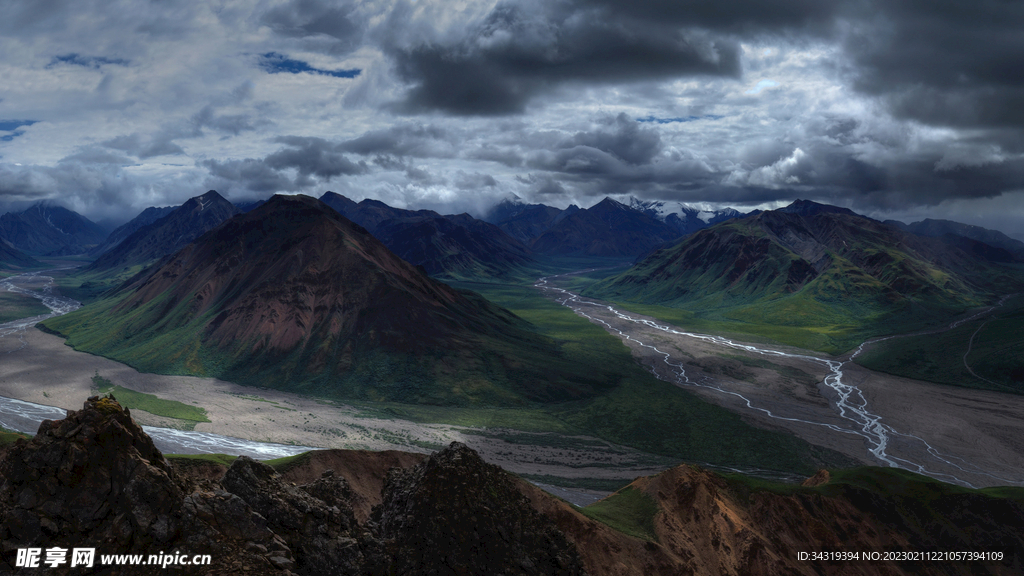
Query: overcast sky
pixel 898 109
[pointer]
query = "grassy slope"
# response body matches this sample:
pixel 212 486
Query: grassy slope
pixel 87 287
pixel 153 338
pixel 187 415
pixel 644 412
pixel 629 511
pixel 833 313
pixel 996 354
pixel 10 436
pixel 14 306
pixel 635 409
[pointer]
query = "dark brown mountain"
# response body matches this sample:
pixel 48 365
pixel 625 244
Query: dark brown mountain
pixel 294 295
pixel 455 247
pixel 147 216
pixel 11 258
pixel 47 229
pixel 607 229
pixel 168 234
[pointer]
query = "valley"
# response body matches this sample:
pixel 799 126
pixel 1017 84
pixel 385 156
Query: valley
pixel 952 434
pixel 230 346
pixel 40 368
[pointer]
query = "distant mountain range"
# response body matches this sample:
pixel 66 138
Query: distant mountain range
pixel 166 234
pixel 684 218
pixel 47 229
pixel 524 222
pixel 294 295
pixel 454 247
pixel 938 228
pixel 608 229
pixel 811 264
pixel 147 216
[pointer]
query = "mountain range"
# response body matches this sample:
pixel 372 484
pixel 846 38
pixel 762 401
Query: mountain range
pixel 455 246
pixel 122 232
pixel 165 234
pixel 684 218
pixel 296 296
pixel 939 228
pixel 525 222
pixel 47 229
pixel 810 264
pixel 609 229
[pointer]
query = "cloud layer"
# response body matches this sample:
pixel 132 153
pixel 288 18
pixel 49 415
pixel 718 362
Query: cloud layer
pixel 896 109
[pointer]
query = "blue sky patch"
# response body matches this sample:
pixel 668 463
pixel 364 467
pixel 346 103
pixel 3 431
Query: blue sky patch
pixel 761 86
pixel 12 127
pixel 87 61
pixel 276 63
pixel 657 120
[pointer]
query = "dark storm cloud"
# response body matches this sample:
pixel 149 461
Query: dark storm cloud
pixel 521 50
pixel 249 174
pixel 323 26
pixel 417 140
pixel 943 63
pixel 622 138
pixel 474 181
pixel 738 16
pixel 313 157
pixel 314 161
pixel 490 153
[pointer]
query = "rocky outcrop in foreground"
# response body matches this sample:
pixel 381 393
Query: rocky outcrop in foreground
pixel 95 480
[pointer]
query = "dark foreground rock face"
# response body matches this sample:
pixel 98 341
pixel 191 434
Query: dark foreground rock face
pixel 95 480
pixel 455 514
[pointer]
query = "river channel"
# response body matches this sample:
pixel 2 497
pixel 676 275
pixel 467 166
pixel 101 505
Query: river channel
pixel 843 409
pixel 22 416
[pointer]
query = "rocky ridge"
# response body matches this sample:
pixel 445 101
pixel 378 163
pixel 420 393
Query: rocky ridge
pixel 95 479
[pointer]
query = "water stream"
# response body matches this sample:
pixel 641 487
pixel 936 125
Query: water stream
pixel 25 417
pixel 849 401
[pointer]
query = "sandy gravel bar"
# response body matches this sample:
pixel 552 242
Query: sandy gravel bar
pixel 38 367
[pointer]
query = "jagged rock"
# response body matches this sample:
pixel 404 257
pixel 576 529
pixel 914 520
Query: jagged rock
pixel 94 477
pixel 315 520
pixel 456 514
pixel 96 480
